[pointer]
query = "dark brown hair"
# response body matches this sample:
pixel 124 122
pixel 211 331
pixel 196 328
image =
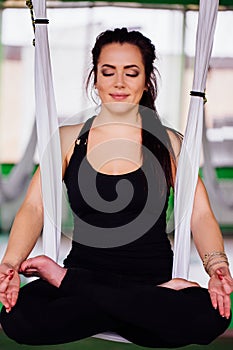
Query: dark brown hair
pixel 147 50
pixel 154 134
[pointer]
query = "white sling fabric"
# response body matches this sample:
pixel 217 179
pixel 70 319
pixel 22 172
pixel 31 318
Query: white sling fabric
pixel 188 166
pixel 48 137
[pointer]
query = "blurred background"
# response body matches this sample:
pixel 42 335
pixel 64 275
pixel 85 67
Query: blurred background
pixel 73 27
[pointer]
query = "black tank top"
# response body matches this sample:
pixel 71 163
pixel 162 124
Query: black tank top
pixel 119 220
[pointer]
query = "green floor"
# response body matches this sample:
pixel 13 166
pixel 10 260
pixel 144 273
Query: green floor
pixel 223 343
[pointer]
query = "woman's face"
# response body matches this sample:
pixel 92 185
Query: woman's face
pixel 120 77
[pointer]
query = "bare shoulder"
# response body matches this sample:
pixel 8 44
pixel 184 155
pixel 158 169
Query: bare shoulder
pixel 176 140
pixel 68 136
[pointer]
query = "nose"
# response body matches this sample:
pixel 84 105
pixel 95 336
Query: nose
pixel 119 81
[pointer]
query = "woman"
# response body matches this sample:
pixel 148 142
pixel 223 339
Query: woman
pixel 118 168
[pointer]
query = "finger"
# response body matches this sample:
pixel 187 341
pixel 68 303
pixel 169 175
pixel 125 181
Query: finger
pixel 220 273
pixel 9 299
pixel 227 306
pixel 4 300
pixel 220 305
pixel 4 275
pixel 6 270
pixel 14 298
pixel 4 284
pixel 213 297
pixel 10 272
pixel 8 308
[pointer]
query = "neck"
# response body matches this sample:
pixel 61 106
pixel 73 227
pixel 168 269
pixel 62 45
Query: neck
pixel 127 115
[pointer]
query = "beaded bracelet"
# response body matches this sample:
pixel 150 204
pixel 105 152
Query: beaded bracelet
pixel 215 263
pixel 209 260
pixel 210 255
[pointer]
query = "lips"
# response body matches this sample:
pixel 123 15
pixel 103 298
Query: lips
pixel 119 97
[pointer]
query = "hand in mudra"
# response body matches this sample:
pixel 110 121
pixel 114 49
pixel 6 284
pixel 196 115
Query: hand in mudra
pixel 220 288
pixel 9 286
pixel 44 267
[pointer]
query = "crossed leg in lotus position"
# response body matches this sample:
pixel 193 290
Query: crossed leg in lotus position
pixel 47 269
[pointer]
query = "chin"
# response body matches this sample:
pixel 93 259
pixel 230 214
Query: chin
pixel 120 108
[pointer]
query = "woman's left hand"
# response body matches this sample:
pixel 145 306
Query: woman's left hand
pixel 220 287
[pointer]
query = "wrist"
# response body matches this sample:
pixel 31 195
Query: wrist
pixel 11 265
pixel 215 260
pixel 218 266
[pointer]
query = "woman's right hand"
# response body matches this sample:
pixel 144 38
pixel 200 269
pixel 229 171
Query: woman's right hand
pixel 220 288
pixel 9 286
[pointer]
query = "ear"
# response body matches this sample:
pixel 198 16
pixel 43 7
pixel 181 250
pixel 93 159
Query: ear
pixel 96 90
pixel 146 87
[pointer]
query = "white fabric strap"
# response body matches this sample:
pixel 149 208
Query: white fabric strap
pixel 48 137
pixel 188 166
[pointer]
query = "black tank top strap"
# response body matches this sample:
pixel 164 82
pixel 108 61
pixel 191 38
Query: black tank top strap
pixel 83 134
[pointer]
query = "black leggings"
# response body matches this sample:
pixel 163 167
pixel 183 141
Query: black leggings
pixel 87 303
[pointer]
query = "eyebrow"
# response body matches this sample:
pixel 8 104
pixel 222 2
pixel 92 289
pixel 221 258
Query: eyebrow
pixel 125 67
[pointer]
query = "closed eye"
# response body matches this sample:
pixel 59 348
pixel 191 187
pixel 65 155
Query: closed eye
pixel 127 74
pixel 135 74
pixel 105 74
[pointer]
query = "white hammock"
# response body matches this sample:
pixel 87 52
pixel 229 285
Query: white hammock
pixel 49 143
pixel 187 172
pixel 48 137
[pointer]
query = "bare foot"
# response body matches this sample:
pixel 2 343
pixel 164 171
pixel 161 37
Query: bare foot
pixel 179 283
pixel 45 268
